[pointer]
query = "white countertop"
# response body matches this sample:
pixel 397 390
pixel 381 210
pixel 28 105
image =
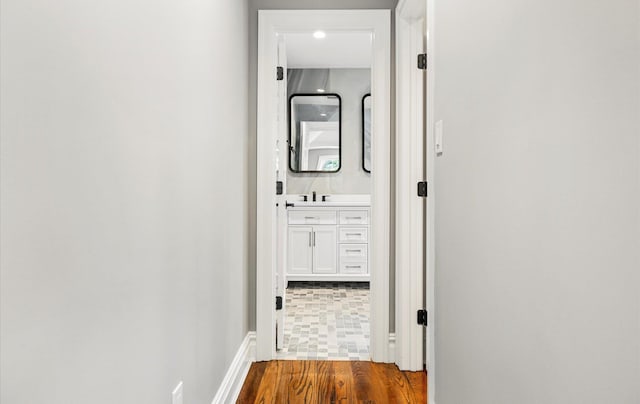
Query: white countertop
pixel 334 201
pixel 299 204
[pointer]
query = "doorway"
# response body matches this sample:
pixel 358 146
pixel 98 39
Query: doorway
pixel 346 239
pixel 323 245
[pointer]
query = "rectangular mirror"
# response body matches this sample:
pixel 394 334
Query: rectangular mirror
pixel 315 133
pixel 366 133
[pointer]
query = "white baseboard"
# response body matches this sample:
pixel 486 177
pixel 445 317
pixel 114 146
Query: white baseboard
pixel 392 347
pixel 229 390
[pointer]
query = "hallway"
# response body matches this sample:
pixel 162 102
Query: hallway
pixel 477 164
pixel 332 382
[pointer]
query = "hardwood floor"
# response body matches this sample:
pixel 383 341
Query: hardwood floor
pixel 332 382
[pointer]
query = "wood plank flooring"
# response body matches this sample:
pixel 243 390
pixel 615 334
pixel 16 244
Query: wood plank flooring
pixel 332 382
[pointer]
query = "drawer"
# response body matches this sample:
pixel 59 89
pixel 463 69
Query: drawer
pixel 354 217
pixel 353 267
pixel 353 235
pixel 353 252
pixel 312 217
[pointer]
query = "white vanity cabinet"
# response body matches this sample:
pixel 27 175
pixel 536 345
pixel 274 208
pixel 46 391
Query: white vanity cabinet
pixel 300 257
pixel 312 250
pixel 324 250
pixel 328 243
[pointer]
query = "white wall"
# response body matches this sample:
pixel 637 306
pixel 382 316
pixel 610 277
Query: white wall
pixel 123 198
pixel 351 85
pixel 538 202
pixel 254 6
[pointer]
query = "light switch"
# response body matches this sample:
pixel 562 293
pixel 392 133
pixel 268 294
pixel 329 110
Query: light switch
pixel 439 145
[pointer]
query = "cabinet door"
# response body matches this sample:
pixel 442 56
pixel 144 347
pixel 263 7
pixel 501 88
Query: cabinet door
pixel 299 254
pixel 325 250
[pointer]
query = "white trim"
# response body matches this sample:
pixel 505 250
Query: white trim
pixel 271 22
pixel 408 12
pixel 392 347
pixel 265 197
pixel 233 381
pixel 409 171
pixel 431 206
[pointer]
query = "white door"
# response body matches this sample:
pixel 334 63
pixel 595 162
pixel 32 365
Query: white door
pixel 299 251
pixel 411 145
pixel 324 240
pixel 282 149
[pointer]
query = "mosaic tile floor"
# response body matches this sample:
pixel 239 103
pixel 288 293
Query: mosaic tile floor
pixel 326 321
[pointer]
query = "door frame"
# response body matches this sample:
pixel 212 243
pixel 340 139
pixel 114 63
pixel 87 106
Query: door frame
pixel 270 23
pixel 431 205
pixel 415 244
pixel 410 160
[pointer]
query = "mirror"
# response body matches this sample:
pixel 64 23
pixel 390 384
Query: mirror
pixel 315 133
pixel 366 133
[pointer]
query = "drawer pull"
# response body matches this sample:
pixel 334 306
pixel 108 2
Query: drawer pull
pixel 310 217
pixel 353 234
pixel 353 251
pixel 353 217
pixel 353 266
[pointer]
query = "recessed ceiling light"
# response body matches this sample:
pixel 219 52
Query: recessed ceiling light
pixel 319 34
pixel 323 114
pixel 320 90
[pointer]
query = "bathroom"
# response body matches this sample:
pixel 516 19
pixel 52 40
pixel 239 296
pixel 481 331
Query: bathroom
pixel 324 227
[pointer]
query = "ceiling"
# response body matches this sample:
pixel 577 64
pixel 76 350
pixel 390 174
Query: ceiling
pixel 336 50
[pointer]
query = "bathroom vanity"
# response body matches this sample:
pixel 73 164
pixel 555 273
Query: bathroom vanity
pixel 328 241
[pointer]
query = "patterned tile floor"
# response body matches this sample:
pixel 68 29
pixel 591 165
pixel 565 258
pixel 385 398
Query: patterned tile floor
pixel 326 321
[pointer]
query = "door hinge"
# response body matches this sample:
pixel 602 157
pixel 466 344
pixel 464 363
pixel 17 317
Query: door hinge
pixel 278 302
pixel 279 73
pixel 422 61
pixel 422 189
pixel 279 188
pixel 422 317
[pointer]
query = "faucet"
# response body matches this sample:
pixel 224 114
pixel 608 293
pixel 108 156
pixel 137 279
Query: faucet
pixel 314 196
